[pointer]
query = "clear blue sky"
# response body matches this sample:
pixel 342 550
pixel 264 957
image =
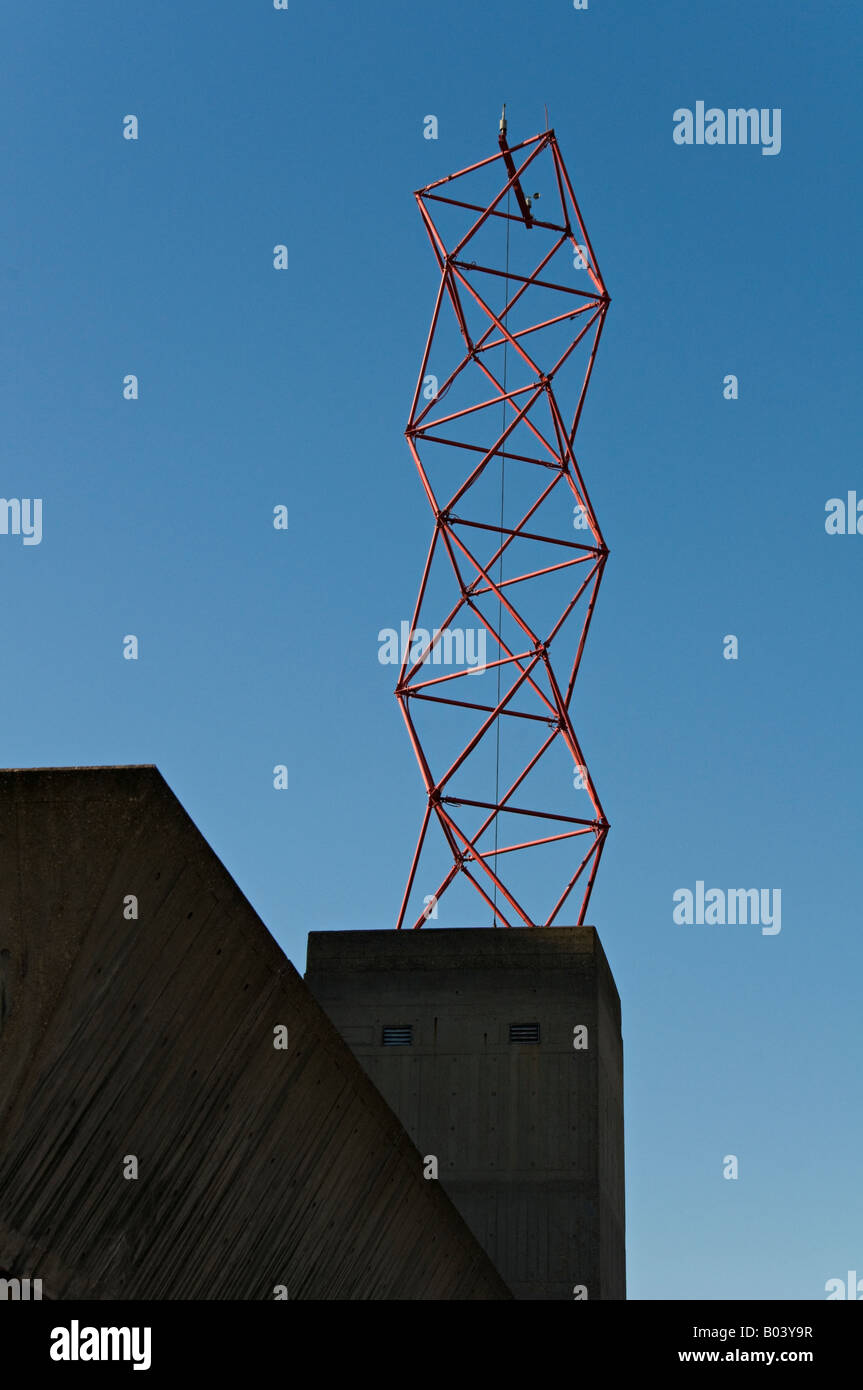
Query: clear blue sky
pixel 257 387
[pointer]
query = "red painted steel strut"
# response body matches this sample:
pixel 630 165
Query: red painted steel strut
pixel 521 427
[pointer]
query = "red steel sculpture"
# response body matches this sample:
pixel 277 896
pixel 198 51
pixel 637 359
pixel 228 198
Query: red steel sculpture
pixel 495 455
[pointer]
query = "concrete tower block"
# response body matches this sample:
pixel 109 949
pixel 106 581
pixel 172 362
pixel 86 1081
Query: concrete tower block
pixel 501 1053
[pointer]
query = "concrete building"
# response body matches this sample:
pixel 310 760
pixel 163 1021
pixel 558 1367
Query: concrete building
pixel 501 1052
pixel 178 1117
pixel 183 1117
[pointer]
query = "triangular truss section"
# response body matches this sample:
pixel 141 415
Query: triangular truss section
pixel 492 428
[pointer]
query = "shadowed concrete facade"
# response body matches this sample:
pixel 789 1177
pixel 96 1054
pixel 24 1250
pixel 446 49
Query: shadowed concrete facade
pixel 528 1135
pixel 153 1038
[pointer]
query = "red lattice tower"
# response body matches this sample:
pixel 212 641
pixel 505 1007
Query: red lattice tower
pixel 496 459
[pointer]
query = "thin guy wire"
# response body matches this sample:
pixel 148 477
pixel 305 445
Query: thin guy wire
pixel 500 575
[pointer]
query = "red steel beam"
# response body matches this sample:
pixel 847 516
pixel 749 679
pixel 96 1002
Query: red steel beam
pixel 523 406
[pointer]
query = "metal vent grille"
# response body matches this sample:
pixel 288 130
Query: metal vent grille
pixel 524 1032
pixel 401 1036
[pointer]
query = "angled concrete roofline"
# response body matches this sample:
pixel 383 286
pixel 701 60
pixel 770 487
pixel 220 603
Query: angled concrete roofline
pixel 151 1037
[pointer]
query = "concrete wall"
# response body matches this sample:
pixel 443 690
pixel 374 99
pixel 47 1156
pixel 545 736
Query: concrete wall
pixel 529 1138
pixel 154 1038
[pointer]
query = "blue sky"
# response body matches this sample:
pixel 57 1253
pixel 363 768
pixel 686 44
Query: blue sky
pixel 259 387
